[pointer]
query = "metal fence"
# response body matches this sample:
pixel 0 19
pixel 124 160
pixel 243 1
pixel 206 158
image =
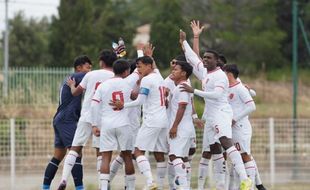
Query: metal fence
pixel 27 145
pixel 33 85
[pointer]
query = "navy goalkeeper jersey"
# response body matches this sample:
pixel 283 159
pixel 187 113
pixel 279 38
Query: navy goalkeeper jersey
pixel 69 108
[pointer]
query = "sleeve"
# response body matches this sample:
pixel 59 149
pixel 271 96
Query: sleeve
pixel 84 81
pixel 198 68
pixel 145 86
pixel 184 97
pixel 78 77
pixel 216 94
pixel 138 102
pixel 249 104
pixel 95 107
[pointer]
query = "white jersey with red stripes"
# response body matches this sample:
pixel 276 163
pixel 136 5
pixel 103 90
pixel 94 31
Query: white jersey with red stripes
pixel 154 109
pixel 215 79
pixel 186 126
pixel 90 83
pixel 238 98
pixel 115 88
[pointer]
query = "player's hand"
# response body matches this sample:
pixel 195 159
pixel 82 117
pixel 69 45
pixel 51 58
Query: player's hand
pixel 199 123
pixel 186 88
pixel 195 25
pixel 71 82
pixel 134 94
pixel 117 104
pixel 96 131
pixel 173 132
pixel 182 36
pixel 148 50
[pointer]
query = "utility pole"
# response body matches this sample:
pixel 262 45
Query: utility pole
pixel 6 51
pixel 295 81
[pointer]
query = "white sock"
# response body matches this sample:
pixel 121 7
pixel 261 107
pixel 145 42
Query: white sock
pixel 250 171
pixel 104 181
pixel 258 180
pixel 219 170
pixel 115 165
pixel 161 172
pixel 188 173
pixel 130 182
pixel 68 164
pixel 171 175
pixel 99 160
pixel 180 172
pixel 203 172
pixel 145 168
pixel 227 174
pixel 234 179
pixel 236 160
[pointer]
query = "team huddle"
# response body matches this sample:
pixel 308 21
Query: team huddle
pixel 129 107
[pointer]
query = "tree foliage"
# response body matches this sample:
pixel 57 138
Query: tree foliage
pixel 28 41
pixel 255 34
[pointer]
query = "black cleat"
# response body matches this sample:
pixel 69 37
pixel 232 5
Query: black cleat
pixel 260 187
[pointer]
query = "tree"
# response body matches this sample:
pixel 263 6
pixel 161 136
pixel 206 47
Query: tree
pixel 165 30
pixel 72 32
pixel 247 32
pixel 28 41
pixel 113 19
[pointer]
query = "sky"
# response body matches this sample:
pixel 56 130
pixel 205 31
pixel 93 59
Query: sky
pixel 31 8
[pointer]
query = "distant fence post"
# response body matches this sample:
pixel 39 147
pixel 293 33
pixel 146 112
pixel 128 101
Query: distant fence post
pixel 12 143
pixel 272 151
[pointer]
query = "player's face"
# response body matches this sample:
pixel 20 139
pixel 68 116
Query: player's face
pixel 209 61
pixel 84 68
pixel 144 69
pixel 176 73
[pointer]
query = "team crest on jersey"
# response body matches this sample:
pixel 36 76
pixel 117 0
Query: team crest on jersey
pixel 231 96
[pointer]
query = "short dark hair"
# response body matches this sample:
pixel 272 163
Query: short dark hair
pixel 180 57
pixel 215 53
pixel 232 68
pixel 145 60
pixel 223 58
pixel 185 67
pixel 81 60
pixel 108 57
pixel 132 64
pixel 120 66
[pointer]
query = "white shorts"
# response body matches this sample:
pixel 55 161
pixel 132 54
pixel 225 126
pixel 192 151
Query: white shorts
pixel 152 139
pixel 95 142
pixel 82 133
pixel 115 138
pixel 217 127
pixel 241 135
pixel 179 146
pixel 134 133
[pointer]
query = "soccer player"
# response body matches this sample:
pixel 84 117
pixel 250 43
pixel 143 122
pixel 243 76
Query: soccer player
pixel 64 123
pixel 181 124
pixel 152 135
pixel 169 87
pixel 115 123
pixel 218 113
pixel 89 84
pixel 242 105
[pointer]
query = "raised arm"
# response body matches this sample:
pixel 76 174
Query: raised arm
pixel 195 25
pixel 198 68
